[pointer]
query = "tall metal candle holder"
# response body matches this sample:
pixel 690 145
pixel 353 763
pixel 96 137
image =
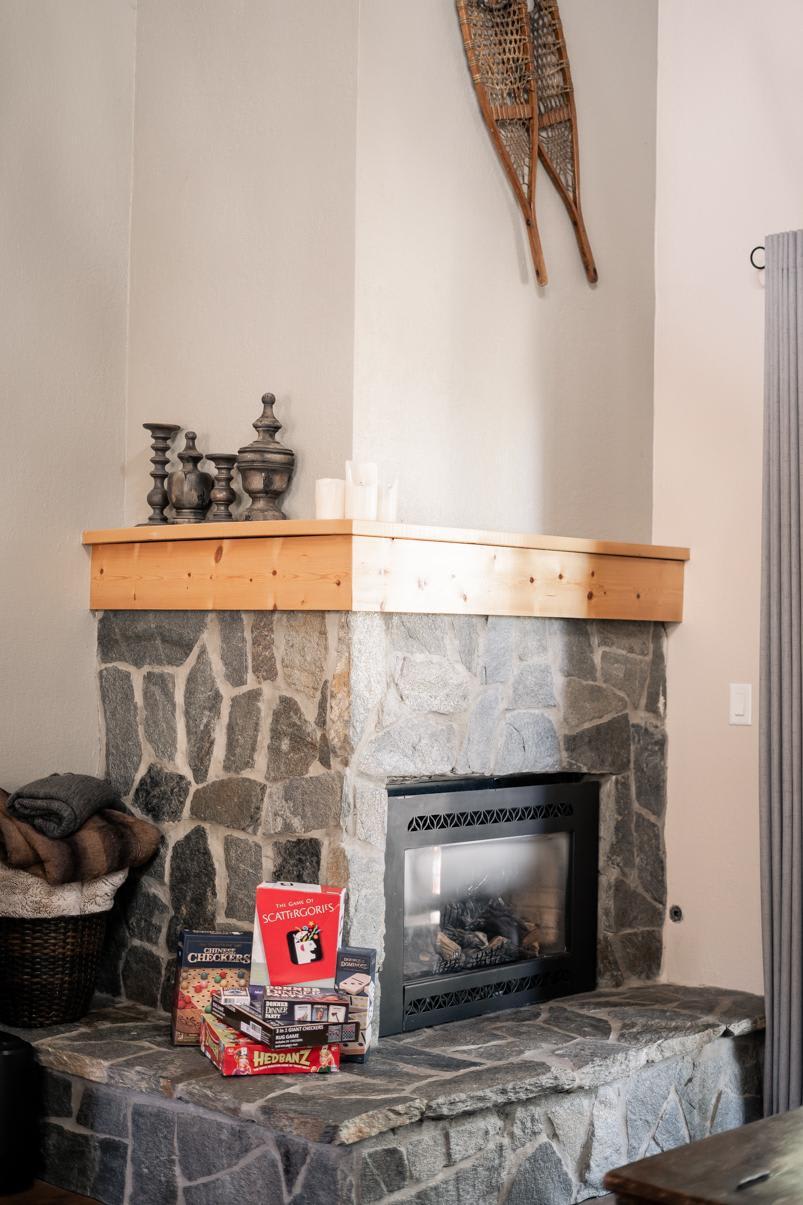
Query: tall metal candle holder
pixel 223 496
pixel 162 435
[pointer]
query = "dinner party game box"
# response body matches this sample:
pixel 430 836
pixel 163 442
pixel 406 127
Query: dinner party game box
pixel 297 930
pixel 205 964
pixel 298 1003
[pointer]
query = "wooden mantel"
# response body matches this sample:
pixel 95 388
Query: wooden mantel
pixel 351 565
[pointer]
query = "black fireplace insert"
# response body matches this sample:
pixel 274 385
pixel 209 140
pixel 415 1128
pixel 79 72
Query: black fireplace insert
pixel 490 896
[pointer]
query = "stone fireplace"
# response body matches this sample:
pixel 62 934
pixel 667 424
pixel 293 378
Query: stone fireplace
pixel 264 745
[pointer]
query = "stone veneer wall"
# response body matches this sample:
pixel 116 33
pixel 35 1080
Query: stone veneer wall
pixel 262 744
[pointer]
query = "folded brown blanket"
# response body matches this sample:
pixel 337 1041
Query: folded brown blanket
pixel 59 804
pixel 107 842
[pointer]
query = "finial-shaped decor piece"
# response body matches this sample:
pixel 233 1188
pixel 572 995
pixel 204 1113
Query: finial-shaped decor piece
pixel 188 488
pixel 162 435
pixel 266 466
pixel 222 493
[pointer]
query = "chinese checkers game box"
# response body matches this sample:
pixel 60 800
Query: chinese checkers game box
pixel 205 964
pixel 297 932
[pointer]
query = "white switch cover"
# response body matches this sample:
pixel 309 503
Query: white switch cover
pixel 740 710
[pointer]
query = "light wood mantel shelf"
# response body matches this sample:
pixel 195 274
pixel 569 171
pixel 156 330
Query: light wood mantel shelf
pixel 351 565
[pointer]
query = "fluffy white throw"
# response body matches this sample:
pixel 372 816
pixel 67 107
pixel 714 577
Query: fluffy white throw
pixel 23 894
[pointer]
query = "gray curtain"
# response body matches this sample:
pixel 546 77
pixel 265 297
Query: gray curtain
pixel 781 728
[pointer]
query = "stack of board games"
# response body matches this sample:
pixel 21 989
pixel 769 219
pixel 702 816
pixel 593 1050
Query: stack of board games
pixel 205 964
pixel 235 1054
pixel 297 932
pixel 355 978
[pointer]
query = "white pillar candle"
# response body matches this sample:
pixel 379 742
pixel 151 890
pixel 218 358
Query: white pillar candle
pixel 330 498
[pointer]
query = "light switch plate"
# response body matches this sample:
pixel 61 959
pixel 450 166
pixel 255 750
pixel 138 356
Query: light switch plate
pixel 740 707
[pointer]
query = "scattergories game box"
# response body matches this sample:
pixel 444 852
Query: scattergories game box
pixel 297 931
pixel 205 963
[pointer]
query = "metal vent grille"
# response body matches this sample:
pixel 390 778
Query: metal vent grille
pixel 431 821
pixel 486 991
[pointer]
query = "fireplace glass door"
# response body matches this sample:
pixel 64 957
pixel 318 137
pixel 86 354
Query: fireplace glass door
pixel 474 904
pixel 490 896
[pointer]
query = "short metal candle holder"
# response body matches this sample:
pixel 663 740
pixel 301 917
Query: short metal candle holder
pixel 162 435
pixel 188 488
pixel 266 466
pixel 223 496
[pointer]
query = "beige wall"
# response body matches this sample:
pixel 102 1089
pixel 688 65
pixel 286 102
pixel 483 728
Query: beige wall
pixel 243 229
pixel 65 133
pixel 499 404
pixel 729 172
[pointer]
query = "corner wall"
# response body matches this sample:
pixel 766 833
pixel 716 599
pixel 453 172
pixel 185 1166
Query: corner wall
pixel 242 244
pixel 502 405
pixel 728 173
pixel 65 129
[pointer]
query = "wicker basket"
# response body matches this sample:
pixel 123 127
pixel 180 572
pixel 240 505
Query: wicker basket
pixel 48 968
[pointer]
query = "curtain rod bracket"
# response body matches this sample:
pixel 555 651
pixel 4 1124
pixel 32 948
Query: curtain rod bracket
pixel 760 267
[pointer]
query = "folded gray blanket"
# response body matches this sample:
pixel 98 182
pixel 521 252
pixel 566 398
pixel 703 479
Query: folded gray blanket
pixel 59 804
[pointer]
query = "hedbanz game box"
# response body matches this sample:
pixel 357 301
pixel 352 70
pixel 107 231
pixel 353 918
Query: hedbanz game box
pixel 205 963
pixel 297 931
pixel 234 1054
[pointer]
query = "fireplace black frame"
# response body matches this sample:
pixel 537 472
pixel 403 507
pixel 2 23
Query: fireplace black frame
pixel 473 810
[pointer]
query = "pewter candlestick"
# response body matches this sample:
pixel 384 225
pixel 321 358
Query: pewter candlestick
pixel 222 494
pixel 188 488
pixel 162 435
pixel 265 465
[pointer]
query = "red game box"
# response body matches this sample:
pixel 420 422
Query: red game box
pixel 234 1054
pixel 297 931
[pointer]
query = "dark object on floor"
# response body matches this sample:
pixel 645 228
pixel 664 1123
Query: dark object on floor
pixel 45 1194
pixel 223 496
pixel 107 842
pixel 188 488
pixel 19 1103
pixel 756 1164
pixel 161 437
pixel 59 804
pixel 266 466
pixel 48 968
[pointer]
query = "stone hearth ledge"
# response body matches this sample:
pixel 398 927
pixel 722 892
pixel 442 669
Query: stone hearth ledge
pixel 572 1044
